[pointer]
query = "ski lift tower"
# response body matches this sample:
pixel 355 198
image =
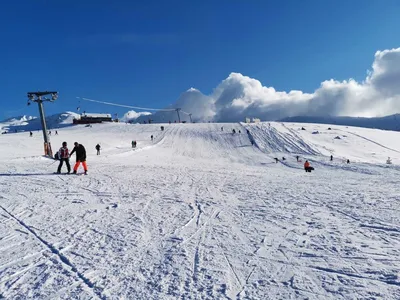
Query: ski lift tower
pixel 177 111
pixel 39 98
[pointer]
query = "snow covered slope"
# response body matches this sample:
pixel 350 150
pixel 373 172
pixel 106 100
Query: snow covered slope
pixel 201 213
pixel 356 144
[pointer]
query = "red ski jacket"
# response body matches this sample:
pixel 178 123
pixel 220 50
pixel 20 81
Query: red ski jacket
pixel 63 152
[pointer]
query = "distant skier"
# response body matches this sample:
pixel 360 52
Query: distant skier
pixel 283 158
pixel 307 167
pixel 49 132
pixel 133 144
pixel 63 156
pixel 30 133
pixel 98 149
pixel 252 142
pixel 222 128
pixel 80 157
pixel 152 137
pixel 56 132
pixel 331 157
pixel 276 160
pixel 348 161
pixel 297 158
pixel 240 131
pixel 233 131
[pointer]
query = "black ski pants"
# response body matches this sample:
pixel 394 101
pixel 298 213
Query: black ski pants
pixel 61 164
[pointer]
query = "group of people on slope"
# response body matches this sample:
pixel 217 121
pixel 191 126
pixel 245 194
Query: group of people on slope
pixel 134 143
pixel 63 155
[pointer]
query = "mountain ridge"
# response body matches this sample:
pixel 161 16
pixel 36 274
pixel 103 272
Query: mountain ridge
pixel 391 122
pixel 64 119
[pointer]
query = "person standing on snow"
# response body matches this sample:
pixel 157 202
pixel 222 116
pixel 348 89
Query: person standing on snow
pixel 98 149
pixel 63 156
pixel 80 157
pixel 307 167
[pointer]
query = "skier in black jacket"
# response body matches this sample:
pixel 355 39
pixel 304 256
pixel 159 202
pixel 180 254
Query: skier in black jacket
pixel 80 157
pixel 98 149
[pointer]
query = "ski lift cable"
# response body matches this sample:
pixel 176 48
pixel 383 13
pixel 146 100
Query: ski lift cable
pixel 11 113
pixel 127 106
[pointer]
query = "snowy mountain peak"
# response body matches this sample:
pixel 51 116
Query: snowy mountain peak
pixel 29 123
pixel 21 119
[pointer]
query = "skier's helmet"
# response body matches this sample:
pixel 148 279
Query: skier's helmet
pixel 64 143
pixel 76 143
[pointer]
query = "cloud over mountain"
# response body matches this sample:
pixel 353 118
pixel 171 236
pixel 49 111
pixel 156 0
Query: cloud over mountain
pixel 239 96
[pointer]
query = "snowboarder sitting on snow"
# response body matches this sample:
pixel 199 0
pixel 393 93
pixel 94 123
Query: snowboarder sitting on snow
pixel 307 167
pixel 98 149
pixel 80 157
pixel 63 156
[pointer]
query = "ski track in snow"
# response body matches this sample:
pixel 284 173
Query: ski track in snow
pixel 199 213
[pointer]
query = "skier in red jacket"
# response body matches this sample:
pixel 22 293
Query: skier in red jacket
pixel 63 156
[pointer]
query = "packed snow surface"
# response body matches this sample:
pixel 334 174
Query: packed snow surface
pixel 201 213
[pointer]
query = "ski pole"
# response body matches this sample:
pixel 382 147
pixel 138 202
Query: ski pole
pixel 52 163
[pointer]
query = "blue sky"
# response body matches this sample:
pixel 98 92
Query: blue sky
pixel 148 54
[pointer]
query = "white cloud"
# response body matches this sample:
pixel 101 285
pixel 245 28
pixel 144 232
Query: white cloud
pixel 133 115
pixel 239 96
